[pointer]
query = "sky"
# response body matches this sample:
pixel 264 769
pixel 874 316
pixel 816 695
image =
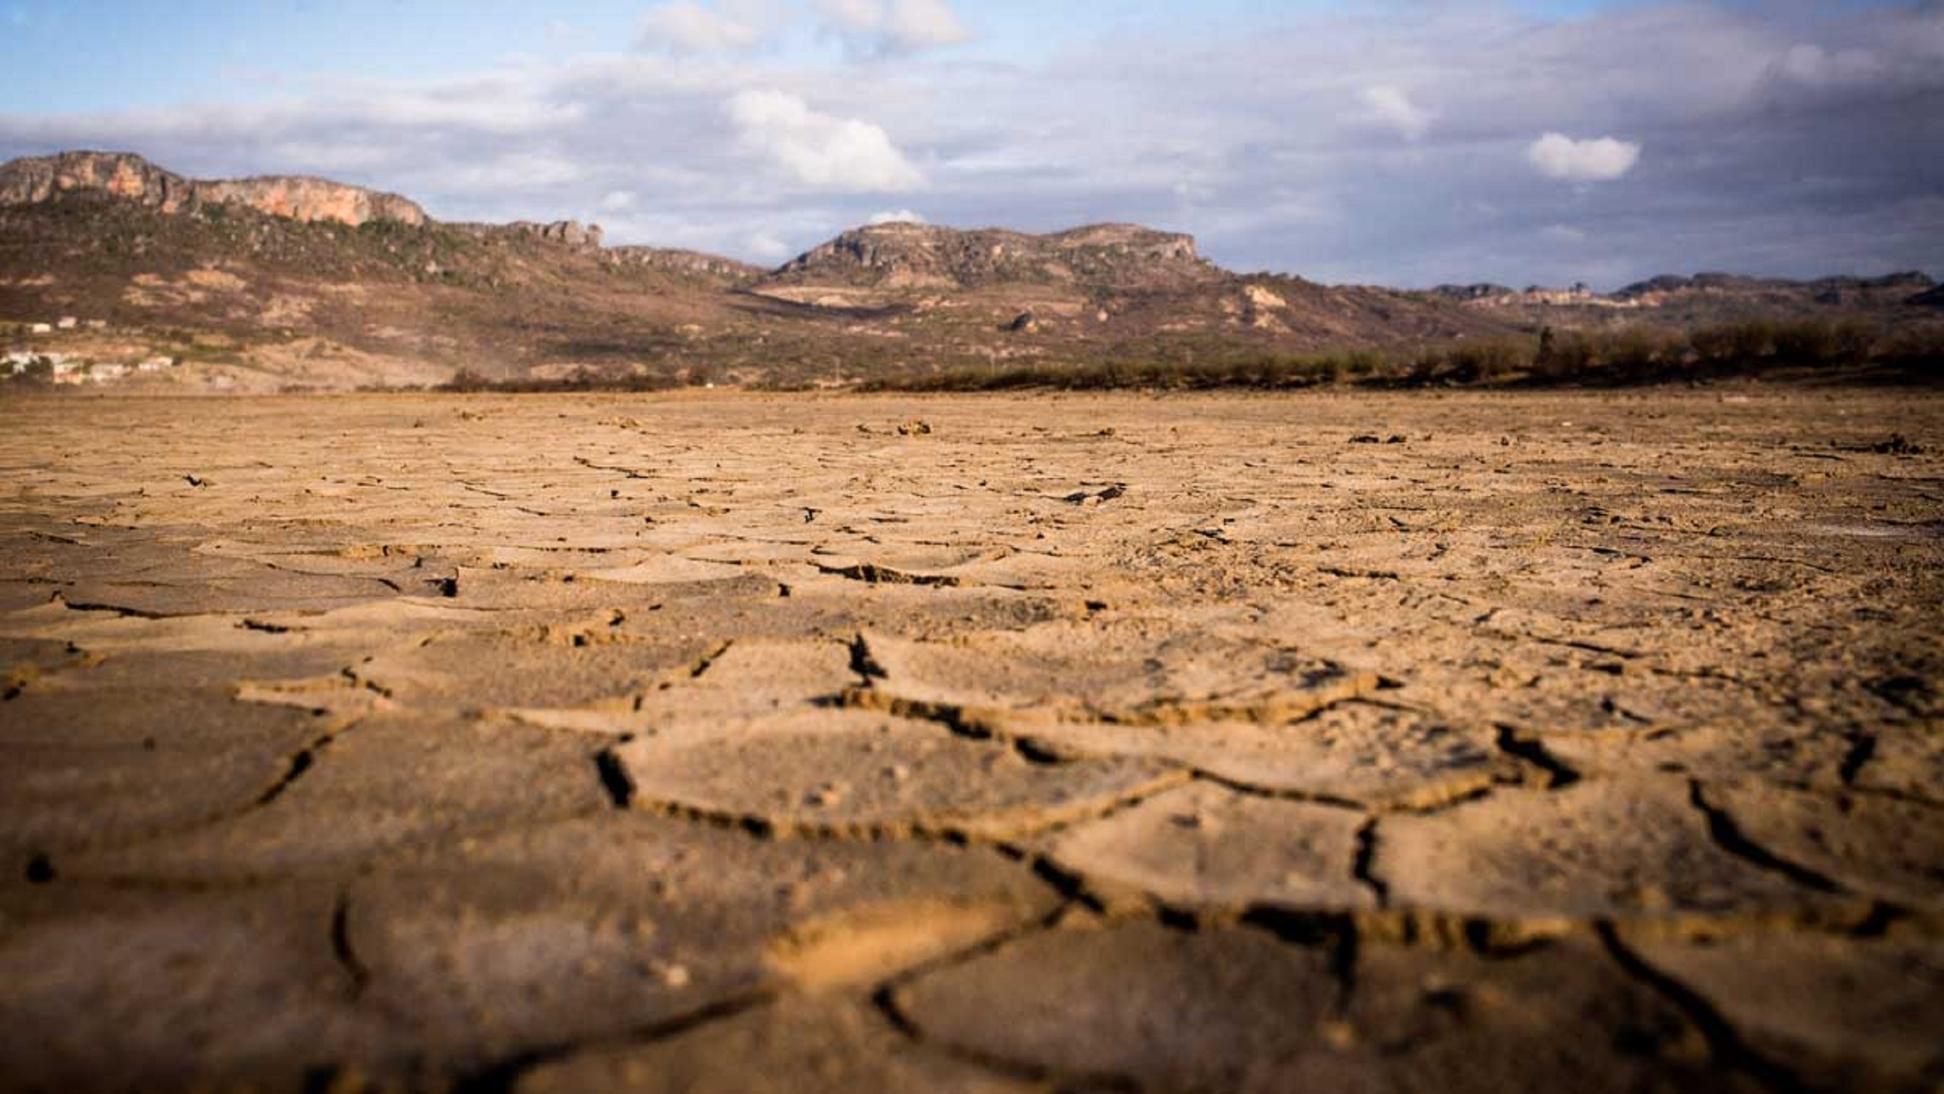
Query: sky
pixel 1398 142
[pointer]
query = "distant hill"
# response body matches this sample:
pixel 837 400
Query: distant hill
pixel 923 256
pixel 275 282
pixel 1701 298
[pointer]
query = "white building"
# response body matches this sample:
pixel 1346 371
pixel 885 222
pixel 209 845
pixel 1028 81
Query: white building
pixel 156 364
pixel 41 328
pixel 68 322
pixel 106 371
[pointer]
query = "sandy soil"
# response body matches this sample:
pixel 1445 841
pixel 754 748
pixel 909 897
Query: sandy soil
pixel 1461 742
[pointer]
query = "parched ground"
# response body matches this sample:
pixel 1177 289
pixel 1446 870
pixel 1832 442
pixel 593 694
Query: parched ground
pixel 1469 742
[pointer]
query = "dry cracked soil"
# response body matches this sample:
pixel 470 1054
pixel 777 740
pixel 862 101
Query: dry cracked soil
pixel 1416 742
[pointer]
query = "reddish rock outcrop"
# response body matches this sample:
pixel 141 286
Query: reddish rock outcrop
pixel 129 177
pixel 312 199
pixel 38 179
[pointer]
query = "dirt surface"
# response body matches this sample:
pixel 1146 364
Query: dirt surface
pixel 735 743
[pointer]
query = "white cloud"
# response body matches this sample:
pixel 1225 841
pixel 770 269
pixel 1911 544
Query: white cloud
pixel 334 156
pixel 1596 160
pixel 689 26
pixel 1392 106
pixel 818 149
pixel 1563 234
pixel 618 201
pixel 897 25
pixel 901 216
pixel 764 245
pixel 518 171
pixel 497 105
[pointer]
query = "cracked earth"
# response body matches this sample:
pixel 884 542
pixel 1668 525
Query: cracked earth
pixel 550 744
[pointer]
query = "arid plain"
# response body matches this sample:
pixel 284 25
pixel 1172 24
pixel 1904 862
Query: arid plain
pixel 1337 741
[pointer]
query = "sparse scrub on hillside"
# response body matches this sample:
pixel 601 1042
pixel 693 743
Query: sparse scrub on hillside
pixel 1622 357
pixel 1915 351
pixel 1258 372
pixel 468 382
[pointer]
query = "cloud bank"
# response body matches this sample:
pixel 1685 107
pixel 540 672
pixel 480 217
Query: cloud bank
pixel 895 25
pixel 693 27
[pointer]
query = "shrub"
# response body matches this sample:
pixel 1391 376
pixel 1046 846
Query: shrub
pixel 1570 356
pixel 1735 344
pixel 1470 362
pixel 1917 350
pixel 1365 362
pixel 1635 354
pixel 1805 342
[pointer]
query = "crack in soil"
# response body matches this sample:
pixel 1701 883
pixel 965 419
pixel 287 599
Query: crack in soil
pixel 1730 838
pixel 1724 1043
pixel 1530 750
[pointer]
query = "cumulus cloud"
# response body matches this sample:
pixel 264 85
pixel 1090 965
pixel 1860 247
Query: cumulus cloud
pixel 896 25
pixel 901 216
pixel 1601 159
pixel 1392 106
pixel 1810 64
pixel 690 26
pixel 514 171
pixel 765 245
pixel 821 150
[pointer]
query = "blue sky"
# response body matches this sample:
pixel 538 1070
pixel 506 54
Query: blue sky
pixel 89 55
pixel 1407 142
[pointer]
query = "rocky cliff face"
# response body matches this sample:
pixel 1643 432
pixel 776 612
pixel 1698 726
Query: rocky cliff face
pixel 572 233
pixel 309 199
pixel 685 263
pixel 128 177
pixel 925 256
pixel 38 179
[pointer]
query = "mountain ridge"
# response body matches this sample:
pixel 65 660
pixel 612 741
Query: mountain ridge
pixel 291 280
pixel 32 180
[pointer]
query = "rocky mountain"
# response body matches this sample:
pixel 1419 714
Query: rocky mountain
pixel 1702 297
pixel 1897 288
pixel 928 257
pixel 693 264
pixel 266 283
pixel 127 177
